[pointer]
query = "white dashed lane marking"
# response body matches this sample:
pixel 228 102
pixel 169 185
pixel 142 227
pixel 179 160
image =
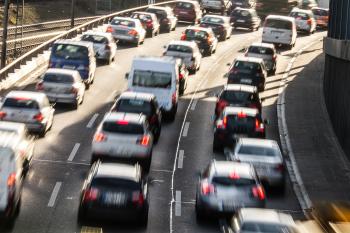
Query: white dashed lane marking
pixel 185 131
pixel 180 161
pixel 194 104
pixel 178 203
pixel 92 121
pixel 74 152
pixel 54 194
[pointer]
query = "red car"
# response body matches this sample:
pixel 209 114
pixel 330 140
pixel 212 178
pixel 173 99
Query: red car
pixel 188 11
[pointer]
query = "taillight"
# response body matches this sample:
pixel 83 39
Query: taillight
pixel 137 198
pixel 279 167
pixel 39 117
pixel 11 180
pixel 109 29
pixel 39 86
pixel 100 137
pixel 258 192
pixel 2 115
pixel 259 127
pixel 274 58
pixel 222 123
pixel 90 195
pixel 210 40
pixel 309 21
pixel 149 23
pixel 173 98
pixel 133 32
pixel 183 36
pixel 241 115
pixel 207 188
pixel 181 76
pixel 74 90
pixel 221 104
pixel 107 47
pixel 144 140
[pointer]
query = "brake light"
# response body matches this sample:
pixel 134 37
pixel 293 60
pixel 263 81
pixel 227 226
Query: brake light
pixel 274 58
pixel 279 167
pixel 241 115
pixel 259 127
pixel 258 192
pixel 109 29
pixel 234 176
pixel 210 40
pixel 39 86
pixel 11 180
pixel 39 117
pixel 181 76
pixel 183 36
pixel 137 198
pixel 222 123
pixel 133 32
pixel 122 122
pixel 100 137
pixel 309 21
pixel 173 98
pixel 149 23
pixel 90 195
pixel 221 105
pixel 107 47
pixel 2 115
pixel 207 188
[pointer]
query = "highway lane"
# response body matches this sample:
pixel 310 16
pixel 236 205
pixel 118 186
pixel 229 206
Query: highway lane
pixel 53 174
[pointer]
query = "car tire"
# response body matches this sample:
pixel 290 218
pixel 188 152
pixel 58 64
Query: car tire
pixel 172 114
pixel 81 216
pixel 75 105
pixel 146 165
pixel 93 159
pixel 216 146
pixel 223 37
pixel 174 28
pixel 144 218
pixel 200 216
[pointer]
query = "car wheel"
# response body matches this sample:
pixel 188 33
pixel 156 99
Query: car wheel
pixel 144 218
pixel 174 28
pixel 216 146
pixel 42 133
pixel 172 114
pixel 200 216
pixel 223 37
pixel 75 105
pixel 81 216
pixel 93 159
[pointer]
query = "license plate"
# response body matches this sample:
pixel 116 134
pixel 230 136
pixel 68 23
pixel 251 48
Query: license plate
pixel 229 205
pixel 183 12
pixel 68 67
pixel 117 199
pixel 239 136
pixel 276 32
pixel 240 21
pixel 248 81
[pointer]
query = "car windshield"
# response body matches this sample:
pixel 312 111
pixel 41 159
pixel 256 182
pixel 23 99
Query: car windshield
pixel 58 78
pixel 141 16
pixel 300 15
pixel 115 183
pixel 184 5
pixel 122 128
pixel 228 181
pixel 259 227
pixel 21 103
pixel 241 13
pixel 246 65
pixel 123 22
pixel 237 96
pixel 179 48
pixel 260 50
pixel 278 24
pixel 196 34
pixel 148 78
pixel 70 51
pixel 96 39
pixel 258 150
pixel 215 20
pixel 134 106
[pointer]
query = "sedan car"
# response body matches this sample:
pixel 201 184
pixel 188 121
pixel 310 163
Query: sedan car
pixel 220 25
pixel 188 10
pixel 188 51
pixel 225 186
pixel 127 30
pixel 266 157
pixel 145 103
pixel 237 95
pixel 31 108
pixel 243 3
pixel 104 45
pixel 149 22
pixel 237 122
pixel 304 19
pixel 114 192
pixel 123 137
pixel 321 16
pixel 245 18
pixel 204 37
pixel 62 86
pixel 166 17
pixel 265 51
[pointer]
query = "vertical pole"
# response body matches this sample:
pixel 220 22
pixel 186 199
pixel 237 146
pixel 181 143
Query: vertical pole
pixel 4 33
pixel 72 13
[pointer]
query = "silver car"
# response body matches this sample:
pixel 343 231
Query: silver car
pixel 104 45
pixel 62 86
pixel 123 136
pixel 265 51
pixel 30 108
pixel 226 186
pixel 266 157
pixel 304 19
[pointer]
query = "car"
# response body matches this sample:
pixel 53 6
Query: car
pixel 304 19
pixel 237 95
pixel 257 220
pixel 218 6
pixel 166 17
pixel 145 103
pixel 183 77
pixel 280 30
pixel 266 157
pixel 307 4
pixel 159 76
pixel 149 22
pixel 188 51
pixel 265 51
pixel 114 192
pixel 62 86
pixel 225 186
pixel 253 72
pixel 243 4
pixel 237 122
pixel 245 18
pixel 125 29
pixel 219 24
pixel 188 10
pixel 321 16
pixel 74 55
pixel 31 108
pixel 204 37
pixel 123 137
pixel 104 45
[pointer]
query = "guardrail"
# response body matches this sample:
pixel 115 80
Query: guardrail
pixel 67 35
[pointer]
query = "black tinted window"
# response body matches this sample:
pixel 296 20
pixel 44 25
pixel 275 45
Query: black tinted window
pixel 134 106
pixel 142 17
pixel 238 122
pixel 215 20
pixel 144 78
pixel 260 50
pixel 58 78
pixel 122 127
pixel 159 13
pixel 227 181
pixel 115 183
pixel 21 103
pixel 241 13
pixel 246 65
pixel 184 5
pixel 237 96
pixel 95 39
pixel 69 51
pixel 196 34
pixel 257 150
pixel 123 22
pixel 179 48
pixel 300 15
pixel 320 12
pixel 278 24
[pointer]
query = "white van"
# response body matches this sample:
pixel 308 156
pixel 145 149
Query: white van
pixel 159 76
pixel 280 30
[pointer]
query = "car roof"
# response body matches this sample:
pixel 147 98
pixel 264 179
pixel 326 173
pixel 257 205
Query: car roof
pixel 26 94
pixel 296 9
pixel 199 28
pixel 320 8
pixel 11 126
pixel 137 95
pixel 61 71
pixel 117 170
pixel 235 110
pixel 123 116
pixel 265 216
pixel 216 16
pixel 98 33
pixel 163 59
pixel 159 7
pixel 281 17
pixel 258 142
pixel 183 42
pixel 223 168
pixel 126 18
pixel 245 9
pixel 74 42
pixel 240 87
pixel 144 12
pixel 265 45
pixel 250 59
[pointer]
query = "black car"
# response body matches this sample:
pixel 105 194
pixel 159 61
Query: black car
pixel 204 37
pixel 115 192
pixel 166 18
pixel 236 122
pixel 219 24
pixel 245 18
pixel 145 103
pixel 237 95
pixel 243 3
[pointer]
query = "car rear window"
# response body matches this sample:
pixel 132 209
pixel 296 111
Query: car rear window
pixel 147 78
pixel 70 51
pixel 212 20
pixel 184 5
pixel 21 103
pixel 320 12
pixel 246 65
pixel 241 13
pixel 122 128
pixel 278 24
pixel 95 39
pixel 228 181
pixel 58 78
pixel 300 15
pixel 134 106
pixel 115 183
pixel 258 150
pixel 159 12
pixel 237 96
pixel 265 228
pixel 196 34
pixel 179 48
pixel 241 123
pixel 260 50
pixel 123 22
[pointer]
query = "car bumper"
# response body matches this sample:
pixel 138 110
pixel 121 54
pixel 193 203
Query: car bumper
pixel 228 139
pixel 104 56
pixel 62 99
pixel 243 24
pixel 109 213
pixel 130 39
pixel 277 41
pixel 186 17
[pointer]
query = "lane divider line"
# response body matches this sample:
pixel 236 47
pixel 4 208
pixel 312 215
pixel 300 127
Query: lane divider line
pixel 180 161
pixel 194 105
pixel 186 128
pixel 54 194
pixel 60 162
pixel 92 121
pixel 74 152
pixel 178 203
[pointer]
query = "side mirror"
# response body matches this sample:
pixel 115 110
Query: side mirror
pixel 164 46
pixel 126 76
pixel 228 64
pixel 226 75
pixel 266 122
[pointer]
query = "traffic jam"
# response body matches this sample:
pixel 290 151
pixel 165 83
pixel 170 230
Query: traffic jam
pixel 116 186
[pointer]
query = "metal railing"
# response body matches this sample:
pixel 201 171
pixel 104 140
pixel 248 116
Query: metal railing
pixel 68 35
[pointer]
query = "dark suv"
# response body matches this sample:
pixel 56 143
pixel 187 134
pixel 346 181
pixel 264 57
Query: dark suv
pixel 245 18
pixel 137 102
pixel 166 18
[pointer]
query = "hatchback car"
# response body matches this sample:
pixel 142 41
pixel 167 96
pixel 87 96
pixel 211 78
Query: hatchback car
pixel 204 37
pixel 237 95
pixel 225 186
pixel 145 103
pixel 62 86
pixel 243 3
pixel 149 22
pixel 187 10
pixel 114 192
pixel 249 71
pixel 245 18
pixel 220 25
pixel 266 157
pixel 125 137
pixel 166 17
pixel 256 220
pixel 104 45
pixel 237 122
pixel 218 6
pixel 304 19
pixel 30 108
pixel 188 51
pixel 321 16
pixel 265 51
pixel 127 30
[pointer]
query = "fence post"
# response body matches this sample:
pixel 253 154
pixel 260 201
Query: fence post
pixel 4 33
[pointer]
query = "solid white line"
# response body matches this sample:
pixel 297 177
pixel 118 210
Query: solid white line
pixel 194 104
pixel 74 152
pixel 180 162
pixel 54 194
pixel 185 132
pixel 178 203
pixel 60 162
pixel 92 121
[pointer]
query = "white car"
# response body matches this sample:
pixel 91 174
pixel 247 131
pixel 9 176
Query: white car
pixel 188 51
pixel 30 108
pixel 104 45
pixel 62 86
pixel 304 19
